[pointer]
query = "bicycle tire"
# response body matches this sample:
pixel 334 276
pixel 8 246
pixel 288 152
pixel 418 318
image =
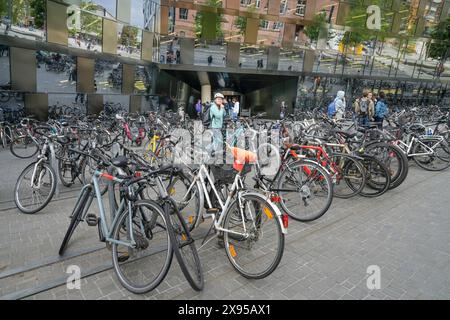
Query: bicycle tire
pixel 179 231
pixel 346 179
pixel 75 219
pixel 306 194
pixel 424 164
pixel 17 201
pixel 373 166
pixel 120 223
pixel 26 140
pixel 192 219
pixel 230 249
pixel 393 151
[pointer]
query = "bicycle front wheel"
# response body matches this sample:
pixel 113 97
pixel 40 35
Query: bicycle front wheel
pixel 306 190
pixel 254 241
pixel 141 266
pixel 184 247
pixel 32 193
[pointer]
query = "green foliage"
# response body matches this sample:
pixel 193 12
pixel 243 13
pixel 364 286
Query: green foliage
pixel 312 31
pixel 38 12
pixel 129 36
pixel 198 24
pixel 357 20
pixel 241 22
pixel 441 41
pixel 3 8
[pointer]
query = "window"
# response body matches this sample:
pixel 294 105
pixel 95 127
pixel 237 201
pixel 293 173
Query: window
pixel 283 6
pixel 246 2
pixel 183 14
pixel 277 25
pixel 301 7
pixel 257 3
pixel 264 24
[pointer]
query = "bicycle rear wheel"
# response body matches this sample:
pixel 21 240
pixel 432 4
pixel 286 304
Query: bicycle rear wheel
pixel 349 171
pixel 257 248
pixel 378 177
pixel 438 161
pixel 24 147
pixel 184 246
pixel 144 266
pixel 306 190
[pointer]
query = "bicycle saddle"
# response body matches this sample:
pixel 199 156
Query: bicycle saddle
pixel 121 162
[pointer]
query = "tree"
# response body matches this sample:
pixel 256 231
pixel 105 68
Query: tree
pixel 312 31
pixel 198 24
pixel 38 12
pixel 439 48
pixel 3 8
pixel 241 22
pixel 128 36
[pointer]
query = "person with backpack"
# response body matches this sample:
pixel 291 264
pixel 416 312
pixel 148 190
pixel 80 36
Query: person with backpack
pixel 199 108
pixel 336 109
pixel 340 105
pixel 213 117
pixel 381 109
pixel 364 109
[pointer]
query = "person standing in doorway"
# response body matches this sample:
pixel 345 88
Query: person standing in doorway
pixel 199 109
pixel 236 107
pixel 217 113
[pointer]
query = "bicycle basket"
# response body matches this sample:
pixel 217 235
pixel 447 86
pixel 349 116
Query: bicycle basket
pixel 223 174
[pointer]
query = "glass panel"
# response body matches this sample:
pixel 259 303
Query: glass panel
pixel 129 41
pixel 143 80
pixel 106 8
pixel 66 105
pixel 210 53
pixel 253 57
pixel 5 74
pixel 116 103
pixel 291 60
pixel 137 13
pixel 108 76
pixel 56 72
pixel 87 34
pixel 27 19
pixel 150 103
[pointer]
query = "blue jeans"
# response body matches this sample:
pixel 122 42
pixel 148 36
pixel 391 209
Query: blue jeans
pixel 364 121
pixel 235 115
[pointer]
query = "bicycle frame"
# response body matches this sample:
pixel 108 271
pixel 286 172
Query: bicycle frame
pixel 114 212
pixel 407 147
pixel 236 186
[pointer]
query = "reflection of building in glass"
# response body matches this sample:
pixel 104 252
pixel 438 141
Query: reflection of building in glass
pixel 270 32
pixel 150 10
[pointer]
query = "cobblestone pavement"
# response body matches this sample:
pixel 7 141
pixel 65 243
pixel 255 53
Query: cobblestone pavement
pixel 406 233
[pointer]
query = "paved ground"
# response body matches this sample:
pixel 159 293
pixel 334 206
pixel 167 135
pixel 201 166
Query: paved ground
pixel 406 233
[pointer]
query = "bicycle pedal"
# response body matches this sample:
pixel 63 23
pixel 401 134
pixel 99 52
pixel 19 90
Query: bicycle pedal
pixel 91 219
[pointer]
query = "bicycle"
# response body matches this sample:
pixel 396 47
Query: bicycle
pixel 244 218
pixel 134 227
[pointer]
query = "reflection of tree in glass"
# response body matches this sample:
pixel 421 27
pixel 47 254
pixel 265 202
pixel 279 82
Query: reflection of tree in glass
pixel 128 37
pixel 241 22
pixel 440 47
pixel 199 19
pixel 25 11
pixel 312 31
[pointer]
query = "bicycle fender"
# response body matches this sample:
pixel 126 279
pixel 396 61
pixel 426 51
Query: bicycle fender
pixel 274 207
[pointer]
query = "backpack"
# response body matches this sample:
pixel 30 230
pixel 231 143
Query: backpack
pixel 363 107
pixel 331 111
pixel 381 109
pixel 207 116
